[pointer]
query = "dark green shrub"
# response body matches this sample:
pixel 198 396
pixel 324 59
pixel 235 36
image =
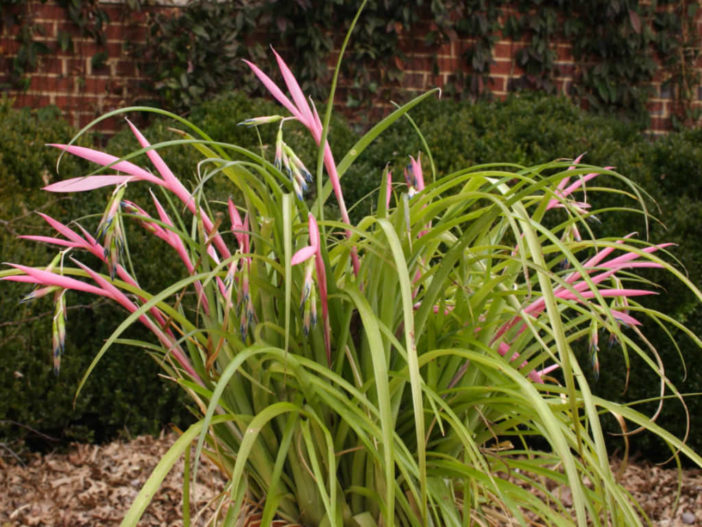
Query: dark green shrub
pixel 124 394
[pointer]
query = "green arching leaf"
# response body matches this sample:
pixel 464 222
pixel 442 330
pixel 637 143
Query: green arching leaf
pixel 410 344
pixel 380 382
pixel 161 470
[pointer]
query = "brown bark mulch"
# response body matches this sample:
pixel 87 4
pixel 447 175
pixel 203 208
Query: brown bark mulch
pixel 95 485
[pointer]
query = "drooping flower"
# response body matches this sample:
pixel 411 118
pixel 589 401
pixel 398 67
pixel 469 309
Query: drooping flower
pixel 58 328
pixel 111 230
pixel 414 176
pixel 258 121
pixel 313 250
pixel 136 173
pixel 594 348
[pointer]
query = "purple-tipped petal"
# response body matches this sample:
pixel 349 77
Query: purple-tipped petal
pixel 417 174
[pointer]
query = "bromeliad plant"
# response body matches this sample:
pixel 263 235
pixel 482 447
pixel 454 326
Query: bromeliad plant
pixel 414 369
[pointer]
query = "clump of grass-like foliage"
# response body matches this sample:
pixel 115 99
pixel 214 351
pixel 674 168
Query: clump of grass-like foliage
pixel 414 368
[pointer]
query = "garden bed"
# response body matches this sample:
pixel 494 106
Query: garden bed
pixel 94 485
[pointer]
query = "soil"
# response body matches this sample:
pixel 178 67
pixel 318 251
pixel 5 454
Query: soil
pixel 95 485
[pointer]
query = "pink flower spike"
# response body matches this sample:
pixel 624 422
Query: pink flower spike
pixel 84 183
pixel 239 228
pixel 417 174
pixel 579 182
pixel 294 89
pixel 167 340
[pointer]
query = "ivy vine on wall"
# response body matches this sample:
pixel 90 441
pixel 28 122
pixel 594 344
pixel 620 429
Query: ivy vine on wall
pixel 617 45
pixel 88 16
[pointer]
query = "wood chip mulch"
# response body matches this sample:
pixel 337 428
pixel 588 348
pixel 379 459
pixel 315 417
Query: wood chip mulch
pixel 95 485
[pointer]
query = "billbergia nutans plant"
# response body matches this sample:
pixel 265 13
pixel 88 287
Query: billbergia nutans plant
pixel 414 368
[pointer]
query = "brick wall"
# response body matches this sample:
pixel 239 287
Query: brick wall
pixel 69 80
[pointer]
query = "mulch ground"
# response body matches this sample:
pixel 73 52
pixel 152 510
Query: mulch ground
pixel 95 485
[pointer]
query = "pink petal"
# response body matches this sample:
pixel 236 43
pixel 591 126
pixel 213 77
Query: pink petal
pixel 624 318
pixel 314 231
pixel 579 182
pixel 605 293
pixel 417 172
pixel 43 277
pixel 303 255
pixel 237 224
pixel 81 184
pixel 49 239
pixel 172 182
pixel 105 160
pixel 275 91
pixel 294 88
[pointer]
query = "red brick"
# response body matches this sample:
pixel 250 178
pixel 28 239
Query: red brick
pixel 115 49
pixel 418 63
pixel 72 103
pixel 656 108
pixel 497 84
pixel 126 68
pixel 9 47
pixel 414 80
pixel 50 64
pixel 445 49
pixel 32 100
pixel 76 66
pixel 115 32
pixel 45 30
pixel 503 67
pixel 94 85
pixel 564 52
pixel 447 64
pixel 503 50
pixel 48 10
pixel 565 69
pixel 85 47
pixel 85 118
pixel 54 83
pixel 659 124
